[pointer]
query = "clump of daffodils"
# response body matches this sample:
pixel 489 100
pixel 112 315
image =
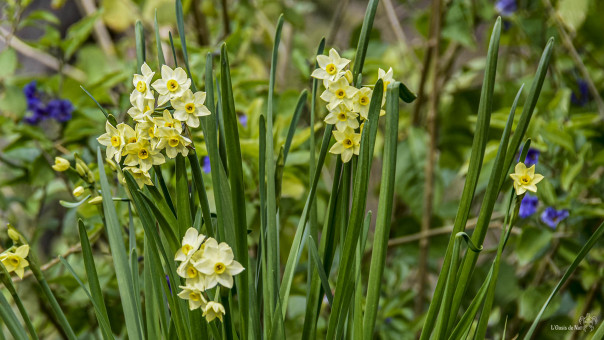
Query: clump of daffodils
pixel 525 179
pixel 348 106
pixel 160 124
pixel 205 264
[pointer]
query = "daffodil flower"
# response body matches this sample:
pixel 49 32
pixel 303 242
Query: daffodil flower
pixel 173 84
pixel 330 68
pixel 16 262
pixel 142 154
pixel 347 144
pixel 146 129
pixel 213 310
pixel 142 89
pixel 113 140
pixel 218 264
pixel 338 92
pixel 342 117
pixel 141 109
pixel 361 100
pixel 525 178
pixel 166 122
pixel 194 296
pixel 189 107
pixel 141 177
pixel 61 164
pixel 173 142
pixel 190 244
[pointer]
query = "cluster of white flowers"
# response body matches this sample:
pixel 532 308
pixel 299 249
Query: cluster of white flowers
pixel 153 133
pixel 348 106
pixel 204 264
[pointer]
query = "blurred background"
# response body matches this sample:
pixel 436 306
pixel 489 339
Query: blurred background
pixel 50 49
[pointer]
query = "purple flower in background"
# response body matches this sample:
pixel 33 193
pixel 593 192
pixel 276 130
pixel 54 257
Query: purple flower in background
pixel 506 7
pixel 30 90
pixel 243 120
pixel 528 206
pixel 581 96
pixel 60 109
pixel 532 157
pixel 552 217
pixel 206 165
pixel 169 286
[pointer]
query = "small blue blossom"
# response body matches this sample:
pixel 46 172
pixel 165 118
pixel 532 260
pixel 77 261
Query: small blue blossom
pixel 168 280
pixel 243 120
pixel 506 7
pixel 206 165
pixel 581 96
pixel 30 90
pixel 60 109
pixel 552 217
pixel 528 206
pixel 532 157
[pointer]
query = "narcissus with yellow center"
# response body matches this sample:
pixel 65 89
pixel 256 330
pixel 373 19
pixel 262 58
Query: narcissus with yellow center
pixel 361 100
pixel 342 117
pixel 143 155
pixel 142 89
pixel 190 107
pixel 173 142
pixel 213 310
pixel 347 144
pixel 16 262
pixel 330 67
pixel 141 177
pixel 338 92
pixel 172 85
pixel 194 296
pixel 218 264
pixel 525 179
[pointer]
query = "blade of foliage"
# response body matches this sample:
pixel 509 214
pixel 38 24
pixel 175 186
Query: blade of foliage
pixel 340 306
pixel 108 116
pixel 72 205
pixel 120 258
pixel 8 283
pixel 233 149
pixel 312 248
pixel 140 45
pixel 160 53
pixel 201 191
pixel 476 157
pixel 93 279
pixel 10 320
pixel 405 94
pixel 164 189
pixel 382 227
pixel 271 203
pixel 359 57
pixel 294 123
pixel 484 217
pixel 529 106
pixel 103 321
pixel 183 211
pixel 294 253
pixel 582 253
pixel 178 306
pixel 173 49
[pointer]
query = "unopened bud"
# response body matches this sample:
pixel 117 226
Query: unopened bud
pixel 96 200
pixel 61 164
pixel 77 192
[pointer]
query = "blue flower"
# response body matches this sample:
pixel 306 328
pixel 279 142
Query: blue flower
pixel 169 285
pixel 532 157
pixel 552 217
pixel 60 109
pixel 206 165
pixel 506 7
pixel 528 206
pixel 243 120
pixel 30 90
pixel 581 96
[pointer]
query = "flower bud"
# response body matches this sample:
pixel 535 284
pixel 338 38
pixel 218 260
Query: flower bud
pixel 77 192
pixel 13 234
pixel 80 169
pixel 348 76
pixel 61 164
pixel 96 200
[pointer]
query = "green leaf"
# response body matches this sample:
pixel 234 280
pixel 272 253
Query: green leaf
pixel 361 52
pixel 78 33
pixel 573 12
pixel 120 258
pixel 93 281
pixel 8 63
pixel 140 45
pixel 160 53
pixel 74 204
pixel 10 319
pixel 384 214
pixel 312 249
pixel 8 283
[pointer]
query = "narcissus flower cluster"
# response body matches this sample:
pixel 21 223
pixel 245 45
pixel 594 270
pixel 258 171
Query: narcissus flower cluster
pixel 205 264
pixel 160 130
pixel 348 106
